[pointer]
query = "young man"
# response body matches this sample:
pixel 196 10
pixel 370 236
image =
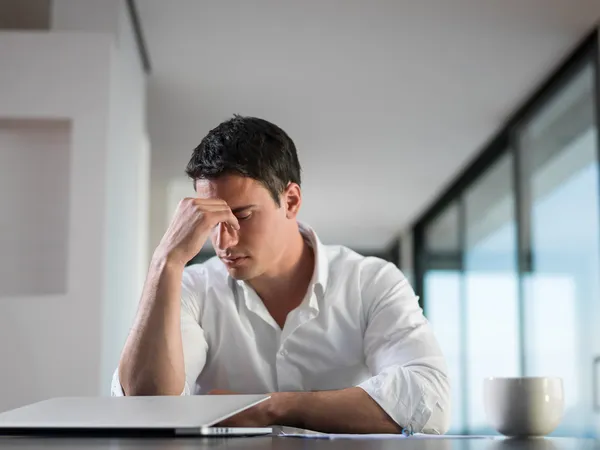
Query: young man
pixel 337 339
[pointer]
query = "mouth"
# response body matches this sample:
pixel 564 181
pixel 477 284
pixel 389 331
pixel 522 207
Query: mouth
pixel 234 261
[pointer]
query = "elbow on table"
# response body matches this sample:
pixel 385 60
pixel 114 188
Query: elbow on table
pixel 439 422
pixel 432 411
pixel 441 410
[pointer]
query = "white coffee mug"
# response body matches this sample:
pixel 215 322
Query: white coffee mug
pixel 524 406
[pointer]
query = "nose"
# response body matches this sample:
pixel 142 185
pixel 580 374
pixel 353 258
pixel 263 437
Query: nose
pixel 225 237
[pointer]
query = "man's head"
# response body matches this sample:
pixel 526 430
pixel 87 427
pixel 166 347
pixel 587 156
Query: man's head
pixel 252 165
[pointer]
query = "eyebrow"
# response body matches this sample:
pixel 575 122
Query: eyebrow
pixel 239 209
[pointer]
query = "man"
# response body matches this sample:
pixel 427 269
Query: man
pixel 337 339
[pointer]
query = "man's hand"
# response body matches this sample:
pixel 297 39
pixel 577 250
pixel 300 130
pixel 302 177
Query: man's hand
pixel 349 410
pixel 258 416
pixel 190 227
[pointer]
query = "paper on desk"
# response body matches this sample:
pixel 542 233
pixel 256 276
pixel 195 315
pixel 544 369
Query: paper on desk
pixel 308 434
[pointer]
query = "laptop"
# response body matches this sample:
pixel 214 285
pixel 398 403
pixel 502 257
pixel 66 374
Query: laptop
pixel 194 415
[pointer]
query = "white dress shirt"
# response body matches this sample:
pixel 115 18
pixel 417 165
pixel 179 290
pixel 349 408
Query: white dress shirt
pixel 359 325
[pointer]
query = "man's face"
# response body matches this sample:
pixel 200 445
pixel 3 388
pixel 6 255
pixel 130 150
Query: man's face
pixel 264 226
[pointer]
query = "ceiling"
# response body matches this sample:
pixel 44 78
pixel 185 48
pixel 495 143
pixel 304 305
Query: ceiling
pixel 386 100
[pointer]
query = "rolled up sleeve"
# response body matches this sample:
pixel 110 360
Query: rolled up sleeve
pixel 410 381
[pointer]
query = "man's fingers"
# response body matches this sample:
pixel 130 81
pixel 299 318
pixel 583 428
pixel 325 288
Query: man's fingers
pixel 211 201
pixel 216 210
pixel 209 206
pixel 226 216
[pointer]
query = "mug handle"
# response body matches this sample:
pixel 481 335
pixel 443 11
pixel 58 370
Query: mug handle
pixel 596 391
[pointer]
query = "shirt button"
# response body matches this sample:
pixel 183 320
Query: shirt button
pixel 283 352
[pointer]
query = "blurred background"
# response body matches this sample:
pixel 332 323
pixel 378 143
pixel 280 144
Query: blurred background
pixel 456 138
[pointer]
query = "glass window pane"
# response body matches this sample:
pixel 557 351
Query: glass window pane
pixel 443 311
pixel 561 289
pixel 442 285
pixel 491 285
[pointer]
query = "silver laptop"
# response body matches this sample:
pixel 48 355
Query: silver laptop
pixel 170 415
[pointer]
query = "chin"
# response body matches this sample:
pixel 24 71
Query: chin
pixel 240 276
pixel 241 273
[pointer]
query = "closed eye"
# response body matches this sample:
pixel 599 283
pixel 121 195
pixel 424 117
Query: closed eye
pixel 247 216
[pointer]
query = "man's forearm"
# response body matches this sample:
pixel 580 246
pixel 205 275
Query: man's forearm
pixel 152 360
pixel 349 410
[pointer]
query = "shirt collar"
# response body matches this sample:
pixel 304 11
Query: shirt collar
pixel 321 272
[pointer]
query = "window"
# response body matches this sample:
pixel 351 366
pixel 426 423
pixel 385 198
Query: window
pixel 491 285
pixel 561 237
pixel 442 284
pixel 508 259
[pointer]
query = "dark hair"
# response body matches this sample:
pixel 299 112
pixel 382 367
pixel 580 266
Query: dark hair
pixel 250 147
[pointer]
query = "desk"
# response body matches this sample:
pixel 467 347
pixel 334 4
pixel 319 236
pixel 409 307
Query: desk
pixel 280 443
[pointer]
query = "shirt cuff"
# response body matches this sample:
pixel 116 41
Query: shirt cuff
pixel 116 390
pixel 401 396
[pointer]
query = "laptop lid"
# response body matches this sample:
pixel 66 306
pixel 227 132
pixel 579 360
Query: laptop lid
pixel 128 413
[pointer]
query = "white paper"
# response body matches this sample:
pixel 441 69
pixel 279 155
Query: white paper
pixel 308 434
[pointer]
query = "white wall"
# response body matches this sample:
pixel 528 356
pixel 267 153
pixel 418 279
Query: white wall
pixel 159 209
pixel 49 343
pixel 128 166
pixel 68 343
pixel 34 223
pixel 127 181
pixel 88 16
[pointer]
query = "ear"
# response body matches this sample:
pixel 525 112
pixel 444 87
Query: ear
pixel 292 199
